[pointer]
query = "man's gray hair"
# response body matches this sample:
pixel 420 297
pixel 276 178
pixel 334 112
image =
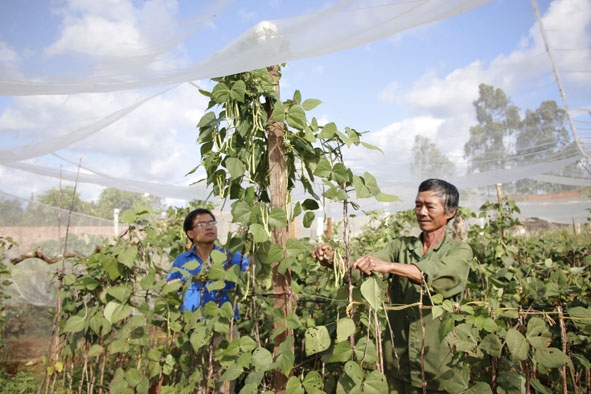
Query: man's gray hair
pixel 446 191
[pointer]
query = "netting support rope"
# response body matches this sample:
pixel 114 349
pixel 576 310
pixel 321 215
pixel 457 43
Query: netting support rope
pixel 557 76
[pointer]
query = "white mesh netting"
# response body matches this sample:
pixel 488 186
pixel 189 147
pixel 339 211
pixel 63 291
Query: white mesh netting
pixel 93 92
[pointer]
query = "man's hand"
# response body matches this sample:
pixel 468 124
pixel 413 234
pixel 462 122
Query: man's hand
pixel 369 264
pixel 324 254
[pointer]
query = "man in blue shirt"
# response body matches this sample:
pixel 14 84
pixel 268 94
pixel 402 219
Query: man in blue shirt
pixel 200 227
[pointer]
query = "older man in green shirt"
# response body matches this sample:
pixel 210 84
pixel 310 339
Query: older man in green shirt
pixel 411 263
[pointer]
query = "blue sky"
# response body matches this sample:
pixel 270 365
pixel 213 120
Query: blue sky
pixel 419 81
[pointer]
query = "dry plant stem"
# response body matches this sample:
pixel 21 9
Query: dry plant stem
pixel 348 264
pixel 210 366
pixel 424 381
pixel 493 383
pixel 379 343
pixel 564 339
pixel 102 377
pixel 38 254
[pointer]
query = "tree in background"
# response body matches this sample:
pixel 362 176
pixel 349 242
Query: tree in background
pixel 488 148
pixel 42 210
pixel 428 160
pixel 112 198
pixel 543 136
pixel 503 140
pixel 11 212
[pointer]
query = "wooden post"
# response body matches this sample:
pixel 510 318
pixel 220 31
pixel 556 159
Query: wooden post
pixel 278 193
pixel 500 201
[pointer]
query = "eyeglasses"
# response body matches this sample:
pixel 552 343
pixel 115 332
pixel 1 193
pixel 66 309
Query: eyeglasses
pixel 211 223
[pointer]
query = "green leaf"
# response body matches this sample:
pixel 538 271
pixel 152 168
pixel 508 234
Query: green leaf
pixel 345 328
pixel 580 316
pixel 341 353
pixel 310 204
pixel 120 293
pixel 370 146
pixel 491 344
pixel 373 292
pixel 241 212
pixel 479 388
pixel 371 183
pixel 328 132
pixel 285 359
pixel 354 371
pixel 296 247
pixel 247 344
pixel 262 359
pixel 238 91
pixel 539 387
pixel 199 339
pixel 259 233
pixel 220 93
pixel 293 321
pixel 313 381
pixel 74 324
pixel 375 383
pixel 206 119
pixel 278 114
pixel 317 340
pixel 309 219
pixel 235 167
pixel 128 216
pixel 294 386
pixel 360 189
pixel 323 168
pixel 366 350
pixel 517 344
pixel 95 350
pixel 277 218
pixel 133 377
pixel 115 312
pixel 437 311
pixel 383 197
pixel 310 104
pixel 552 358
pixel 128 256
pixel 276 253
pixel 510 383
pixel 341 174
pixel 232 373
pixel 296 117
pixel 465 339
pixel 119 346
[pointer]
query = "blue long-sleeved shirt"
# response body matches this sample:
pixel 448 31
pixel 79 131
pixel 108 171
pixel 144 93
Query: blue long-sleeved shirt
pixel 197 294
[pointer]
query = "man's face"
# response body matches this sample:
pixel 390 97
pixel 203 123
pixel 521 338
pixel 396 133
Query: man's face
pixel 202 231
pixel 430 211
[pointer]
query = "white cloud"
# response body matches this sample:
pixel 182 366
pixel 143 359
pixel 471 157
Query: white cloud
pixel 449 98
pixel 8 57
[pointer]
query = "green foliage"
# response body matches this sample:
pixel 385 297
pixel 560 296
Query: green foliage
pixel 117 309
pixel 526 296
pixel 11 212
pixel 111 199
pixel 527 301
pixel 19 383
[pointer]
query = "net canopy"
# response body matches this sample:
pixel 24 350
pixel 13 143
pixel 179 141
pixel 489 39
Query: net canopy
pixel 91 91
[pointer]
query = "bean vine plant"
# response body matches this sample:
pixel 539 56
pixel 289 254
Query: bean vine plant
pixel 524 324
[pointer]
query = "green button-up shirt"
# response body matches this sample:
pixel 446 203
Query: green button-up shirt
pixel 446 270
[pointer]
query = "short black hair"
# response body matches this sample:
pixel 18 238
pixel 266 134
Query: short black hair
pixel 188 224
pixel 446 191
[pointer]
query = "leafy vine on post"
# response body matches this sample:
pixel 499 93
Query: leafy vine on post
pixel 255 149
